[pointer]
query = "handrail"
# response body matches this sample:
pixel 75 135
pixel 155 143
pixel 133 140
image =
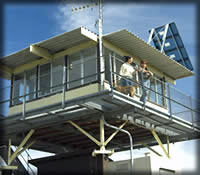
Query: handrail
pixel 59 85
pixel 165 96
pixel 156 92
pixel 130 138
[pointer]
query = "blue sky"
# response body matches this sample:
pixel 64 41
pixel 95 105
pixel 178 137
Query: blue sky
pixel 25 24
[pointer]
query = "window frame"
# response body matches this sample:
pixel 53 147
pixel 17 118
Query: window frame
pixel 66 65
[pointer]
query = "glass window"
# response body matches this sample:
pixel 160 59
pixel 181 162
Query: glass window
pixel 152 94
pixel 44 79
pixel 116 60
pixel 74 70
pixel 57 74
pixel 160 91
pixel 31 84
pixel 81 65
pixel 18 88
pixel 90 64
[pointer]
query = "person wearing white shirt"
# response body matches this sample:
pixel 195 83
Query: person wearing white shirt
pixel 128 71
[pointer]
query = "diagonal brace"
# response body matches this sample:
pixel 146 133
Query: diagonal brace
pixel 147 146
pixel 111 137
pixel 160 143
pixel 15 154
pixel 26 147
pixel 9 149
pixel 168 144
pixel 85 133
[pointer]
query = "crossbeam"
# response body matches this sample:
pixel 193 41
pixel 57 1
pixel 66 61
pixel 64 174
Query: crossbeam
pixel 151 149
pixel 44 60
pixel 44 53
pixel 8 167
pixel 18 150
pixel 113 135
pixel 85 133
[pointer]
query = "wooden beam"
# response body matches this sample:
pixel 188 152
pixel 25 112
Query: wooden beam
pixel 55 56
pixel 44 53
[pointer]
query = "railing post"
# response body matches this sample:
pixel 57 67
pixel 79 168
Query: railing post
pixel 24 98
pixel 64 87
pixel 169 97
pixel 12 90
pixel 192 112
pixel 110 71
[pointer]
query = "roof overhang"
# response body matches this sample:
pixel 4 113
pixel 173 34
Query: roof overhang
pixel 140 49
pixel 46 50
pixel 66 43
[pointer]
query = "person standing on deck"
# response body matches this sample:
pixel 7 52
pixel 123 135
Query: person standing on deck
pixel 128 71
pixel 144 77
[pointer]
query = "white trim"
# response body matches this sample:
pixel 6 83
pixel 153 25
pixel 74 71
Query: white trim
pixel 89 34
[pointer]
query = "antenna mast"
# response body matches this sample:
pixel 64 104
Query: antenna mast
pixel 100 40
pixel 100 31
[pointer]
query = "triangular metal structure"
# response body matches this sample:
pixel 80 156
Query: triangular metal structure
pixel 167 39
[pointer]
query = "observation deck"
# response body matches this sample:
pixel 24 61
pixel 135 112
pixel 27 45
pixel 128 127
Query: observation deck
pixel 60 92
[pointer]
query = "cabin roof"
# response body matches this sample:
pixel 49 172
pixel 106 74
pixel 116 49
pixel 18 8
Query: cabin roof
pixel 53 45
pixel 122 39
pixel 139 48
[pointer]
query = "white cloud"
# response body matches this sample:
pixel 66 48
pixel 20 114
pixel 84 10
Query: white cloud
pixel 68 20
pixel 137 18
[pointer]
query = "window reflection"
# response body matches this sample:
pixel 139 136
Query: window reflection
pixel 18 88
pixel 48 78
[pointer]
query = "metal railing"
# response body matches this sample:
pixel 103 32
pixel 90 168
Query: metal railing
pixel 25 90
pixel 160 93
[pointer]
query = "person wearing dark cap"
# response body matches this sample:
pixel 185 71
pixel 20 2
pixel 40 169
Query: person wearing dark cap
pixel 128 71
pixel 144 77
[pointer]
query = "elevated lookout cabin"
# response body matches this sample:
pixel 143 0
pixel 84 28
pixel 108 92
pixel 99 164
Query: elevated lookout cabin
pixel 60 89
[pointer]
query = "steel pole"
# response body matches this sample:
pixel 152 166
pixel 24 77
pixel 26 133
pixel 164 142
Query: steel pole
pixel 130 138
pixel 101 43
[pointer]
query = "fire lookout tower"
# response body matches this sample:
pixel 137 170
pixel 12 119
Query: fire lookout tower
pixel 64 99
